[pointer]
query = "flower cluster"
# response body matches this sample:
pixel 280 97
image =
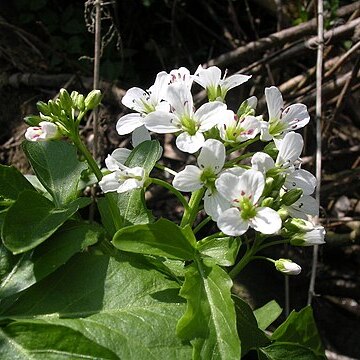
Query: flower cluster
pixel 260 193
pixel 267 191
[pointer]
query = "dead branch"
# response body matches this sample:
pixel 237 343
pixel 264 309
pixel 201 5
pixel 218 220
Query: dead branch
pixel 251 51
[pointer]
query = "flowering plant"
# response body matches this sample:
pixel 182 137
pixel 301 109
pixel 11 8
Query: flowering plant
pixel 127 285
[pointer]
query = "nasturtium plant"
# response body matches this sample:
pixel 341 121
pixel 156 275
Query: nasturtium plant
pixel 125 284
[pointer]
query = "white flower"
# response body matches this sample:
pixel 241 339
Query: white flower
pixel 282 120
pixel 287 267
pixel 235 130
pixel 45 131
pixel 243 192
pixel 122 178
pixel 143 102
pixel 182 118
pixel 217 88
pixel 210 162
pixel 288 159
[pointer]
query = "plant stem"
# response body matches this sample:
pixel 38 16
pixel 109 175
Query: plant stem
pixel 177 193
pixel 165 168
pixel 202 224
pixel 242 145
pixel 190 213
pixel 95 169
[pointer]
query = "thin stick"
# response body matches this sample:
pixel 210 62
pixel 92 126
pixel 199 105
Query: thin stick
pixel 97 56
pixel 318 111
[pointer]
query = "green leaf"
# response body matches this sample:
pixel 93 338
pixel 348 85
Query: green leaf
pixel 210 318
pixel 120 304
pixel 132 203
pixel 52 342
pixel 57 167
pixel 300 328
pixel 281 351
pixel 222 250
pixel 163 238
pixel 32 266
pixel 251 336
pixel 12 182
pixel 32 219
pixel 267 314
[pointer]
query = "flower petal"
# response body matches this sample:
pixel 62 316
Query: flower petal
pixel 158 90
pixel 212 155
pixel 229 186
pixel 211 114
pixel 301 179
pixel 290 148
pixel 109 182
pixel 180 98
pixel 274 102
pixel 266 221
pixel 209 77
pixel 129 184
pixel 252 184
pixel 190 143
pixel 262 162
pixel 162 122
pixel 234 80
pixel 128 123
pixel 188 180
pixel 231 223
pixel 215 204
pixel 134 99
pixel 295 116
pixel 306 205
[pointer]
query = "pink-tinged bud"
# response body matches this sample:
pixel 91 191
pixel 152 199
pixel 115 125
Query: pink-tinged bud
pixel 45 131
pixel 287 267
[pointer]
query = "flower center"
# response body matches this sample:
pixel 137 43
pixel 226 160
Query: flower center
pixel 248 210
pixel 189 125
pixel 208 178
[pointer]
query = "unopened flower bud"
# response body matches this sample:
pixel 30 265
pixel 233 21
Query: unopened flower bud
pixel 32 120
pixel 283 213
pixel 65 100
pixel 287 267
pixel 268 202
pixel 295 225
pixel 291 196
pixel 54 108
pixel 315 236
pixel 43 108
pixel 45 131
pixel 93 99
pixel 247 107
pixel 78 100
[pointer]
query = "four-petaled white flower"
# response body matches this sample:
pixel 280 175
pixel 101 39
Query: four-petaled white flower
pixel 122 178
pixel 282 120
pixel 184 119
pixel 210 163
pixel 45 131
pixel 244 192
pixel 217 88
pixel 143 102
pixel 290 148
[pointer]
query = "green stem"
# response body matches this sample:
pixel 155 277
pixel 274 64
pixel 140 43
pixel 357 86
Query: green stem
pixel 115 214
pixel 177 193
pixel 237 159
pixel 202 224
pixel 190 213
pixel 242 145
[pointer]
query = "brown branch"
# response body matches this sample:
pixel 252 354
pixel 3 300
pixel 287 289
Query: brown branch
pixel 250 51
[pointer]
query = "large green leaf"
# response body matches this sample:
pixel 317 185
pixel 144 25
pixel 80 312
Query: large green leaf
pixel 122 305
pixel 267 314
pixel 32 219
pixel 250 335
pixel 28 268
pixel 210 318
pixel 222 250
pixel 300 328
pixel 51 342
pixel 12 182
pixel 132 203
pixel 163 238
pixel 57 167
